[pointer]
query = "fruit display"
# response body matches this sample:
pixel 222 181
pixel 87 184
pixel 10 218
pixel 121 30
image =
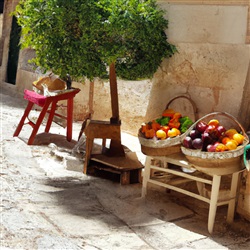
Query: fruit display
pixel 171 124
pixel 212 136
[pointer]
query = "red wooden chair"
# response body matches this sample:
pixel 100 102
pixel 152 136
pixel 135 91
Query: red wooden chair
pixel 47 102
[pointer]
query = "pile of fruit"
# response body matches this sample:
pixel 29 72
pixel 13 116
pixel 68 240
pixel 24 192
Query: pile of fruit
pixel 169 125
pixel 213 137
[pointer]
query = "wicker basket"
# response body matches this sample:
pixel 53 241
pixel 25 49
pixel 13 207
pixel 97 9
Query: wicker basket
pixel 217 159
pixel 51 82
pixel 154 147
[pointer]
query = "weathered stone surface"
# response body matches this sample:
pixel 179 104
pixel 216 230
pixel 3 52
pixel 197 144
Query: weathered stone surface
pixel 206 23
pixel 212 75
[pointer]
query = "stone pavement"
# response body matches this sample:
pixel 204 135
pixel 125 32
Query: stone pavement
pixel 48 204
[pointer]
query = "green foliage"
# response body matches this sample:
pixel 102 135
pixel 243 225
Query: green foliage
pixel 163 120
pixel 83 37
pixel 186 123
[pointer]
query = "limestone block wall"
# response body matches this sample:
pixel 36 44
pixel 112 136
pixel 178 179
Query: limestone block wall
pixel 211 66
pixel 212 75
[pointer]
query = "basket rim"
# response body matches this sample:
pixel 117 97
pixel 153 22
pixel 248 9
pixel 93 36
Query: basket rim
pixel 216 155
pixel 218 113
pixel 156 143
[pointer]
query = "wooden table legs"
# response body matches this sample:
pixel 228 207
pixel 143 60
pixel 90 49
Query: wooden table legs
pixel 214 200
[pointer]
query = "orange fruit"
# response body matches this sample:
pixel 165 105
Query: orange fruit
pixel 230 132
pixel 161 134
pixel 231 145
pixel 144 127
pixel 150 133
pixel 173 132
pixel 221 147
pixel 214 122
pixel 225 140
pixel 165 128
pixel 239 138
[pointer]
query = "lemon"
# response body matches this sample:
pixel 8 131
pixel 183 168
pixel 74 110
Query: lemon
pixel 230 132
pixel 231 145
pixel 238 138
pixel 161 134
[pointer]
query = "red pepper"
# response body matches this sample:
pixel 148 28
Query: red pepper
pixel 150 133
pixel 174 123
pixel 168 113
pixel 155 125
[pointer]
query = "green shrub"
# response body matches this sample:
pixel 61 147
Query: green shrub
pixel 83 37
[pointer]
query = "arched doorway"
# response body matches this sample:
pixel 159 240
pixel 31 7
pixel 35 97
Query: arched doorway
pixel 1 6
pixel 14 48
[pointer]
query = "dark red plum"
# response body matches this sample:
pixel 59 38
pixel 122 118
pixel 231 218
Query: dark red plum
pixel 187 142
pixel 195 134
pixel 197 143
pixel 201 126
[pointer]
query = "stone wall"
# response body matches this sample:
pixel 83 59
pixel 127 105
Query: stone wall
pixel 211 67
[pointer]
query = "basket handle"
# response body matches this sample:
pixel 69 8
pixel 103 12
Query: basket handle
pixel 245 157
pixel 190 100
pixel 218 113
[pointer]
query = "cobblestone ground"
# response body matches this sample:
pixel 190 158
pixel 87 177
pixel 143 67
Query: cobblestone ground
pixel 46 206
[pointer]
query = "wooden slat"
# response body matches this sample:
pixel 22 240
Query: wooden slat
pixel 218 2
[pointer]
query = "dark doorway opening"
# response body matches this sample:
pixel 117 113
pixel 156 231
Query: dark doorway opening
pixel 1 6
pixel 14 49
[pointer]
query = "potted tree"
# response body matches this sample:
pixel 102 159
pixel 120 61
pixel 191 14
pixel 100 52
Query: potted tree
pixel 105 38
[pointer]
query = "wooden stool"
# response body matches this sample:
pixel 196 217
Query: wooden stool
pixel 114 159
pixel 103 130
pixel 45 102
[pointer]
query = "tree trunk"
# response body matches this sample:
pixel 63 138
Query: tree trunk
pixel 90 112
pixel 114 95
pixel 116 148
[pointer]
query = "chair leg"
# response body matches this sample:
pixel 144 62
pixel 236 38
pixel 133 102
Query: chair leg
pixel 213 202
pixel 89 146
pixel 233 196
pixel 38 123
pixel 69 119
pixel 51 115
pixel 25 115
